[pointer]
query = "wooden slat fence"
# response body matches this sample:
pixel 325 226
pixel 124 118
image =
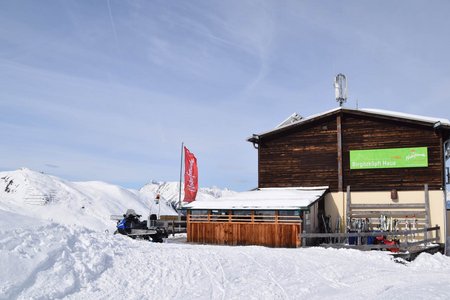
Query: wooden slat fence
pixel 251 228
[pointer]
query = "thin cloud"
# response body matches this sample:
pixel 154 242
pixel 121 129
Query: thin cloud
pixel 111 19
pixel 52 166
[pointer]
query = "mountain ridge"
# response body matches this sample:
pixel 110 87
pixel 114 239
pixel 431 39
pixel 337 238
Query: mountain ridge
pixel 88 203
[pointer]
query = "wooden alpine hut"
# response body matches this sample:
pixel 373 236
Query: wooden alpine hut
pixel 378 164
pixel 383 169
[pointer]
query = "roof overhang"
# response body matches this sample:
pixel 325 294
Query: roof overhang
pixel 295 198
pixel 436 123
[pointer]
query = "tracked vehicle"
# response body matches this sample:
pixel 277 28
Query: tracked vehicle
pixel 130 225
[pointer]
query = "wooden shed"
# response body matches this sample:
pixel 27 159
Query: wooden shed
pixel 271 217
pixel 375 158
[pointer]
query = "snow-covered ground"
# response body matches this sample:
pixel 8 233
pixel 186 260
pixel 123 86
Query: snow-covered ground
pixel 42 258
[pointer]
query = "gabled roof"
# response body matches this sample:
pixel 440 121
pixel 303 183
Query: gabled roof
pixel 385 114
pixel 265 199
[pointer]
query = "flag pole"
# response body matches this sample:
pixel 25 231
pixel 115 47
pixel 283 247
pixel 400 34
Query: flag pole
pixel 179 188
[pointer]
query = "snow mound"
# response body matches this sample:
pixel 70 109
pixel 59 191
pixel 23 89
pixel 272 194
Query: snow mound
pixel 50 261
pixel 432 262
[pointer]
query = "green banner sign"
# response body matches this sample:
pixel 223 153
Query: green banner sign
pixel 389 158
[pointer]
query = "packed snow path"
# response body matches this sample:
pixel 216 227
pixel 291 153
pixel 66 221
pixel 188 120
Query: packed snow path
pixel 53 261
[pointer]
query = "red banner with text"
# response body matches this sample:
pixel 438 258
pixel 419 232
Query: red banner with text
pixel 190 176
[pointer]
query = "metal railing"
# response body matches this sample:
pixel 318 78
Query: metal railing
pixel 407 239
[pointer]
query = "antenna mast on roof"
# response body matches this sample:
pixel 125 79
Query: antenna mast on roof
pixel 340 88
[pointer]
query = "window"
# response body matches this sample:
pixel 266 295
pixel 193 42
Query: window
pixel 289 216
pixel 199 215
pixel 289 213
pixel 219 215
pixel 264 216
pixel 241 216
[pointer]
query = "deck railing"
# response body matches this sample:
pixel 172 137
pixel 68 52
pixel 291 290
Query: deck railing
pixel 244 218
pixel 409 240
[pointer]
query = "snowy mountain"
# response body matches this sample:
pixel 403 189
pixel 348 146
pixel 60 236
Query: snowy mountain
pixel 88 204
pixel 47 197
pixel 169 192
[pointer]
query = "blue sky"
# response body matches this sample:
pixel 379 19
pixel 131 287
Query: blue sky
pixel 108 90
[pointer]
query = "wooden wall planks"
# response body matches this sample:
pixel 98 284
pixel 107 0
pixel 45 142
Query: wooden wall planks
pixel 304 157
pixel 271 235
pixel 307 155
pixel 370 133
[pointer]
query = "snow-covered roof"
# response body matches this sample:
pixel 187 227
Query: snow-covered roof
pixel 431 120
pixel 386 113
pixel 265 199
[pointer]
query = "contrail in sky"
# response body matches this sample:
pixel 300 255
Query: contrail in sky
pixel 112 22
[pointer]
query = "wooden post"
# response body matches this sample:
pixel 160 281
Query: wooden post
pixel 299 241
pixel 173 226
pixel 427 210
pixel 304 239
pixel 438 234
pixel 339 152
pixel 188 226
pixel 348 203
pixel 442 152
pixel 347 213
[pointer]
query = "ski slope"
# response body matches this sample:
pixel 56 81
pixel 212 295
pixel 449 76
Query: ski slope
pixel 44 260
pixel 63 251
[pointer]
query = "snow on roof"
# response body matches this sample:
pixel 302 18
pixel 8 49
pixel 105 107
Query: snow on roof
pixel 285 124
pixel 290 121
pixel 406 116
pixel 265 199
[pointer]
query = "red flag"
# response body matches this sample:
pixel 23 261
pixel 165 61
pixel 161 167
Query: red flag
pixel 190 176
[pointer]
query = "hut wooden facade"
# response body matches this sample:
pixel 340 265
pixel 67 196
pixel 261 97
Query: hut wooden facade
pixel 272 217
pixel 381 158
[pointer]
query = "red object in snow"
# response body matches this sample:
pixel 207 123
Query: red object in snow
pixel 382 240
pixel 190 176
pixel 391 243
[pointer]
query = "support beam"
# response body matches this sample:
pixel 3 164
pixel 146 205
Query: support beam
pixel 427 206
pixel 348 208
pixel 339 152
